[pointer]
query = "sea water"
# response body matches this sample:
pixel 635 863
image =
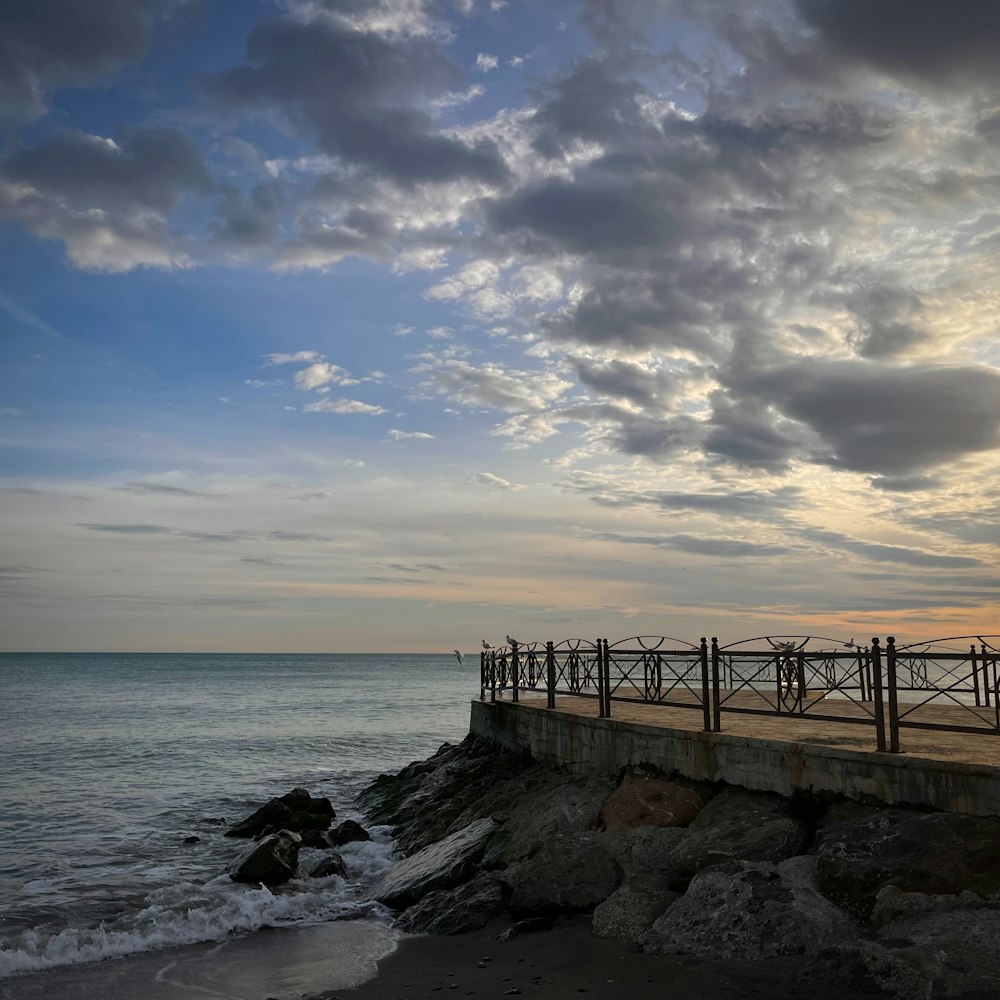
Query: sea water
pixel 110 762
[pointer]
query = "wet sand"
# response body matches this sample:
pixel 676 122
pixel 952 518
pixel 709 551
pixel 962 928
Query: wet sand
pixel 569 963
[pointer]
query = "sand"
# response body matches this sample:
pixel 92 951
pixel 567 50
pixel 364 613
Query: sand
pixel 569 963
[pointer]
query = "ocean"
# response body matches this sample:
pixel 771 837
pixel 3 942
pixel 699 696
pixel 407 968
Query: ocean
pixel 109 762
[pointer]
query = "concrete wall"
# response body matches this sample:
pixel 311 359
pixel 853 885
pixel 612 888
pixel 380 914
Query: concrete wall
pixel 590 745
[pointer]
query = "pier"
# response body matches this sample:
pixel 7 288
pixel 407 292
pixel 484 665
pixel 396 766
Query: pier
pixel 914 725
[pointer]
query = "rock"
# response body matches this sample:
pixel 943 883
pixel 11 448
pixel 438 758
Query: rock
pixel 893 905
pixel 457 911
pixel 296 810
pixel 738 825
pixel 272 860
pixel 192 840
pixel 332 864
pixel 348 832
pixel 629 912
pixel 640 801
pixel 438 866
pixel 862 850
pixel 530 925
pixel 750 911
pixel 572 873
pixel 645 853
pixel 316 838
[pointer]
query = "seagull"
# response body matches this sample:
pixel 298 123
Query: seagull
pixel 486 645
pixel 459 657
pixel 511 642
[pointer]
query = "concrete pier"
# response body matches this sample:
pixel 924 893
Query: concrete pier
pixel 958 773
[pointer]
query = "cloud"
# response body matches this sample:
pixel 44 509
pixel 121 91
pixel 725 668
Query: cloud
pixel 914 40
pixel 163 489
pixel 485 63
pixel 381 83
pixel 491 385
pixel 65 42
pixel 397 435
pixel 495 482
pixel 292 358
pixel 724 548
pixel 323 373
pixel 344 406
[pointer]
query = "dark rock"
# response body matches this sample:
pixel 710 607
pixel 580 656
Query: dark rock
pixel 738 825
pixel 570 874
pixel 457 911
pixel 272 860
pixel 861 851
pixel 629 912
pixel 641 801
pixel 438 866
pixel 332 864
pixel 296 810
pixel 192 840
pixel 348 832
pixel 317 838
pixel 751 912
pixel 645 853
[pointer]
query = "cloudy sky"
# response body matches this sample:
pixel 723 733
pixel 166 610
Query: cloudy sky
pixel 394 324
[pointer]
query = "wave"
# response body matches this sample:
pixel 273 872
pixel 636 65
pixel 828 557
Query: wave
pixel 189 913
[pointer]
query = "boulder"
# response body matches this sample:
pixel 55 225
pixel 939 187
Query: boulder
pixel 332 864
pixel 317 839
pixel 549 807
pixel 272 860
pixel 750 911
pixel 629 912
pixel 738 825
pixel 348 832
pixel 438 866
pixel 640 801
pixel 296 810
pixel 457 911
pixel 860 851
pixel 645 853
pixel 572 873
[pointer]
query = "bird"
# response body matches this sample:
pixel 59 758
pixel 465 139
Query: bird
pixel 511 642
pixel 459 657
pixel 486 645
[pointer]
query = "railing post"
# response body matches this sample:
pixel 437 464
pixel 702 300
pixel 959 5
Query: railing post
pixel 601 706
pixel 550 675
pixel 716 700
pixel 514 670
pixel 890 673
pixel 975 673
pixel 482 675
pixel 607 677
pixel 876 660
pixel 492 654
pixel 705 706
pixel 800 680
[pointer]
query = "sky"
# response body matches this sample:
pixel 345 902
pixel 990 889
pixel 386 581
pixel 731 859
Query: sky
pixel 393 325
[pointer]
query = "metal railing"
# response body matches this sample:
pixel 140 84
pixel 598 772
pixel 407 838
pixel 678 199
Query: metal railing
pixel 935 685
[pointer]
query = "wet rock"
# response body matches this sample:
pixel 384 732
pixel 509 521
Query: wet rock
pixel 629 912
pixel 348 832
pixel 739 825
pixel 332 864
pixel 642 801
pixel 272 860
pixel 296 810
pixel 457 911
pixel 751 911
pixel 860 851
pixel 192 840
pixel 572 873
pixel 316 838
pixel 438 866
pixel 893 905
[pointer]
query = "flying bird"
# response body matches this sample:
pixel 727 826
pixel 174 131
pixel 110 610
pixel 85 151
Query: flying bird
pixel 486 645
pixel 459 657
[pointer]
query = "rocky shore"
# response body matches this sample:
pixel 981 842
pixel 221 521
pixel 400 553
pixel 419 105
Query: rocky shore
pixel 852 899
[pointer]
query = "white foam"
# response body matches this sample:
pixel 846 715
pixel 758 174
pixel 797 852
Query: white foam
pixel 187 914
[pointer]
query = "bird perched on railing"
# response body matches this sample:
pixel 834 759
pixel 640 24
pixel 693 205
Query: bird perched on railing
pixel 486 645
pixel 510 641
